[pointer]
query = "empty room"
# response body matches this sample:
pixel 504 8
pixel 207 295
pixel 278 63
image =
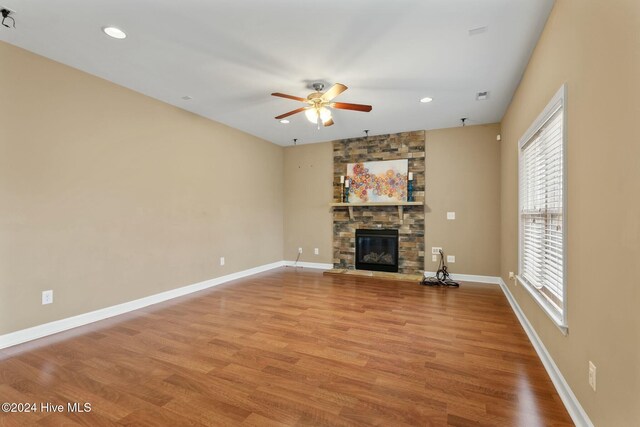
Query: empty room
pixel 337 213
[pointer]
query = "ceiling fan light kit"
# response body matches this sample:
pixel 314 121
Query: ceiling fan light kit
pixel 319 104
pixel 314 114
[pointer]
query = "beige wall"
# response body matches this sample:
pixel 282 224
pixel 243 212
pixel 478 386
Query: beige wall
pixel 308 175
pixel 593 46
pixel 107 195
pixel 463 176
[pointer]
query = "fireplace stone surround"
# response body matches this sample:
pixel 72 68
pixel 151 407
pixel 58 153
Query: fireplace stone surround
pixel 405 145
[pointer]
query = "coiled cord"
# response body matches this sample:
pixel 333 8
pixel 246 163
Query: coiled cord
pixel 442 276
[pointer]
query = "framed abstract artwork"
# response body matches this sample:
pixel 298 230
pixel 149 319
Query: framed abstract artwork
pixel 383 181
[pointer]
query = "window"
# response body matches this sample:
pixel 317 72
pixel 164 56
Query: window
pixel 543 210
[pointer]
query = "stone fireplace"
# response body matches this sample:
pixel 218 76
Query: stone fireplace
pixel 407 222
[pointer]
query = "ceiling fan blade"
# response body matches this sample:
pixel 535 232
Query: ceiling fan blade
pixel 347 106
pixel 334 91
pixel 284 95
pixel 291 113
pixel 328 123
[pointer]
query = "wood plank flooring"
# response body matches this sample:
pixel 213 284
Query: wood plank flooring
pixel 293 347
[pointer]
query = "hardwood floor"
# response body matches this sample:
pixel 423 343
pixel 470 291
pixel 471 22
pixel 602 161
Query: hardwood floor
pixel 293 347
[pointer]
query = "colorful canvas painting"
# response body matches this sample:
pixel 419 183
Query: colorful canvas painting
pixel 384 181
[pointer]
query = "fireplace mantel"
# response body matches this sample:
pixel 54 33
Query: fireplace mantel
pixel 400 205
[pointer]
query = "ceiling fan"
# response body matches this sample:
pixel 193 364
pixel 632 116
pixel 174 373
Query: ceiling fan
pixel 317 110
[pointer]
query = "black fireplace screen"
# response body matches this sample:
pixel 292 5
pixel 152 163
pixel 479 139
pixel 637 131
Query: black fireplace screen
pixel 377 250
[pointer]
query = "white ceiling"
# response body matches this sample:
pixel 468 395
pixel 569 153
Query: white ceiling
pixel 229 55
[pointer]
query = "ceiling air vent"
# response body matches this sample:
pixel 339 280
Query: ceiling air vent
pixel 478 30
pixel 482 96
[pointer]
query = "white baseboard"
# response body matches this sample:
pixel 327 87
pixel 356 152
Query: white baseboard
pixel 577 413
pixel 317 265
pixel 54 327
pixel 468 277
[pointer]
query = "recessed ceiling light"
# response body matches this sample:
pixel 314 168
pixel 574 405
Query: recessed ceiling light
pixel 114 32
pixel 284 121
pixel 426 99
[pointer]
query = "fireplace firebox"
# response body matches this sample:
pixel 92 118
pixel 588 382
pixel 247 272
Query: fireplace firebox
pixel 377 250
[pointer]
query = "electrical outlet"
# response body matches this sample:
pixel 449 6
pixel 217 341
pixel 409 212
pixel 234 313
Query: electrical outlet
pixel 451 215
pixel 451 258
pixel 316 251
pixel 221 260
pixel 592 375
pixel 47 297
pixel 299 250
pixel 434 258
pixel 512 275
pixel 435 250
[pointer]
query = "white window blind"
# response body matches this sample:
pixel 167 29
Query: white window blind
pixel 542 209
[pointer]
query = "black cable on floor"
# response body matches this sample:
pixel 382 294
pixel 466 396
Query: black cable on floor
pixel 442 276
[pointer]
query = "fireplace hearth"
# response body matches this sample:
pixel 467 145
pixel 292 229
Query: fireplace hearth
pixel 377 250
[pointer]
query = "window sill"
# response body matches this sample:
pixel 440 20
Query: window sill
pixel 546 306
